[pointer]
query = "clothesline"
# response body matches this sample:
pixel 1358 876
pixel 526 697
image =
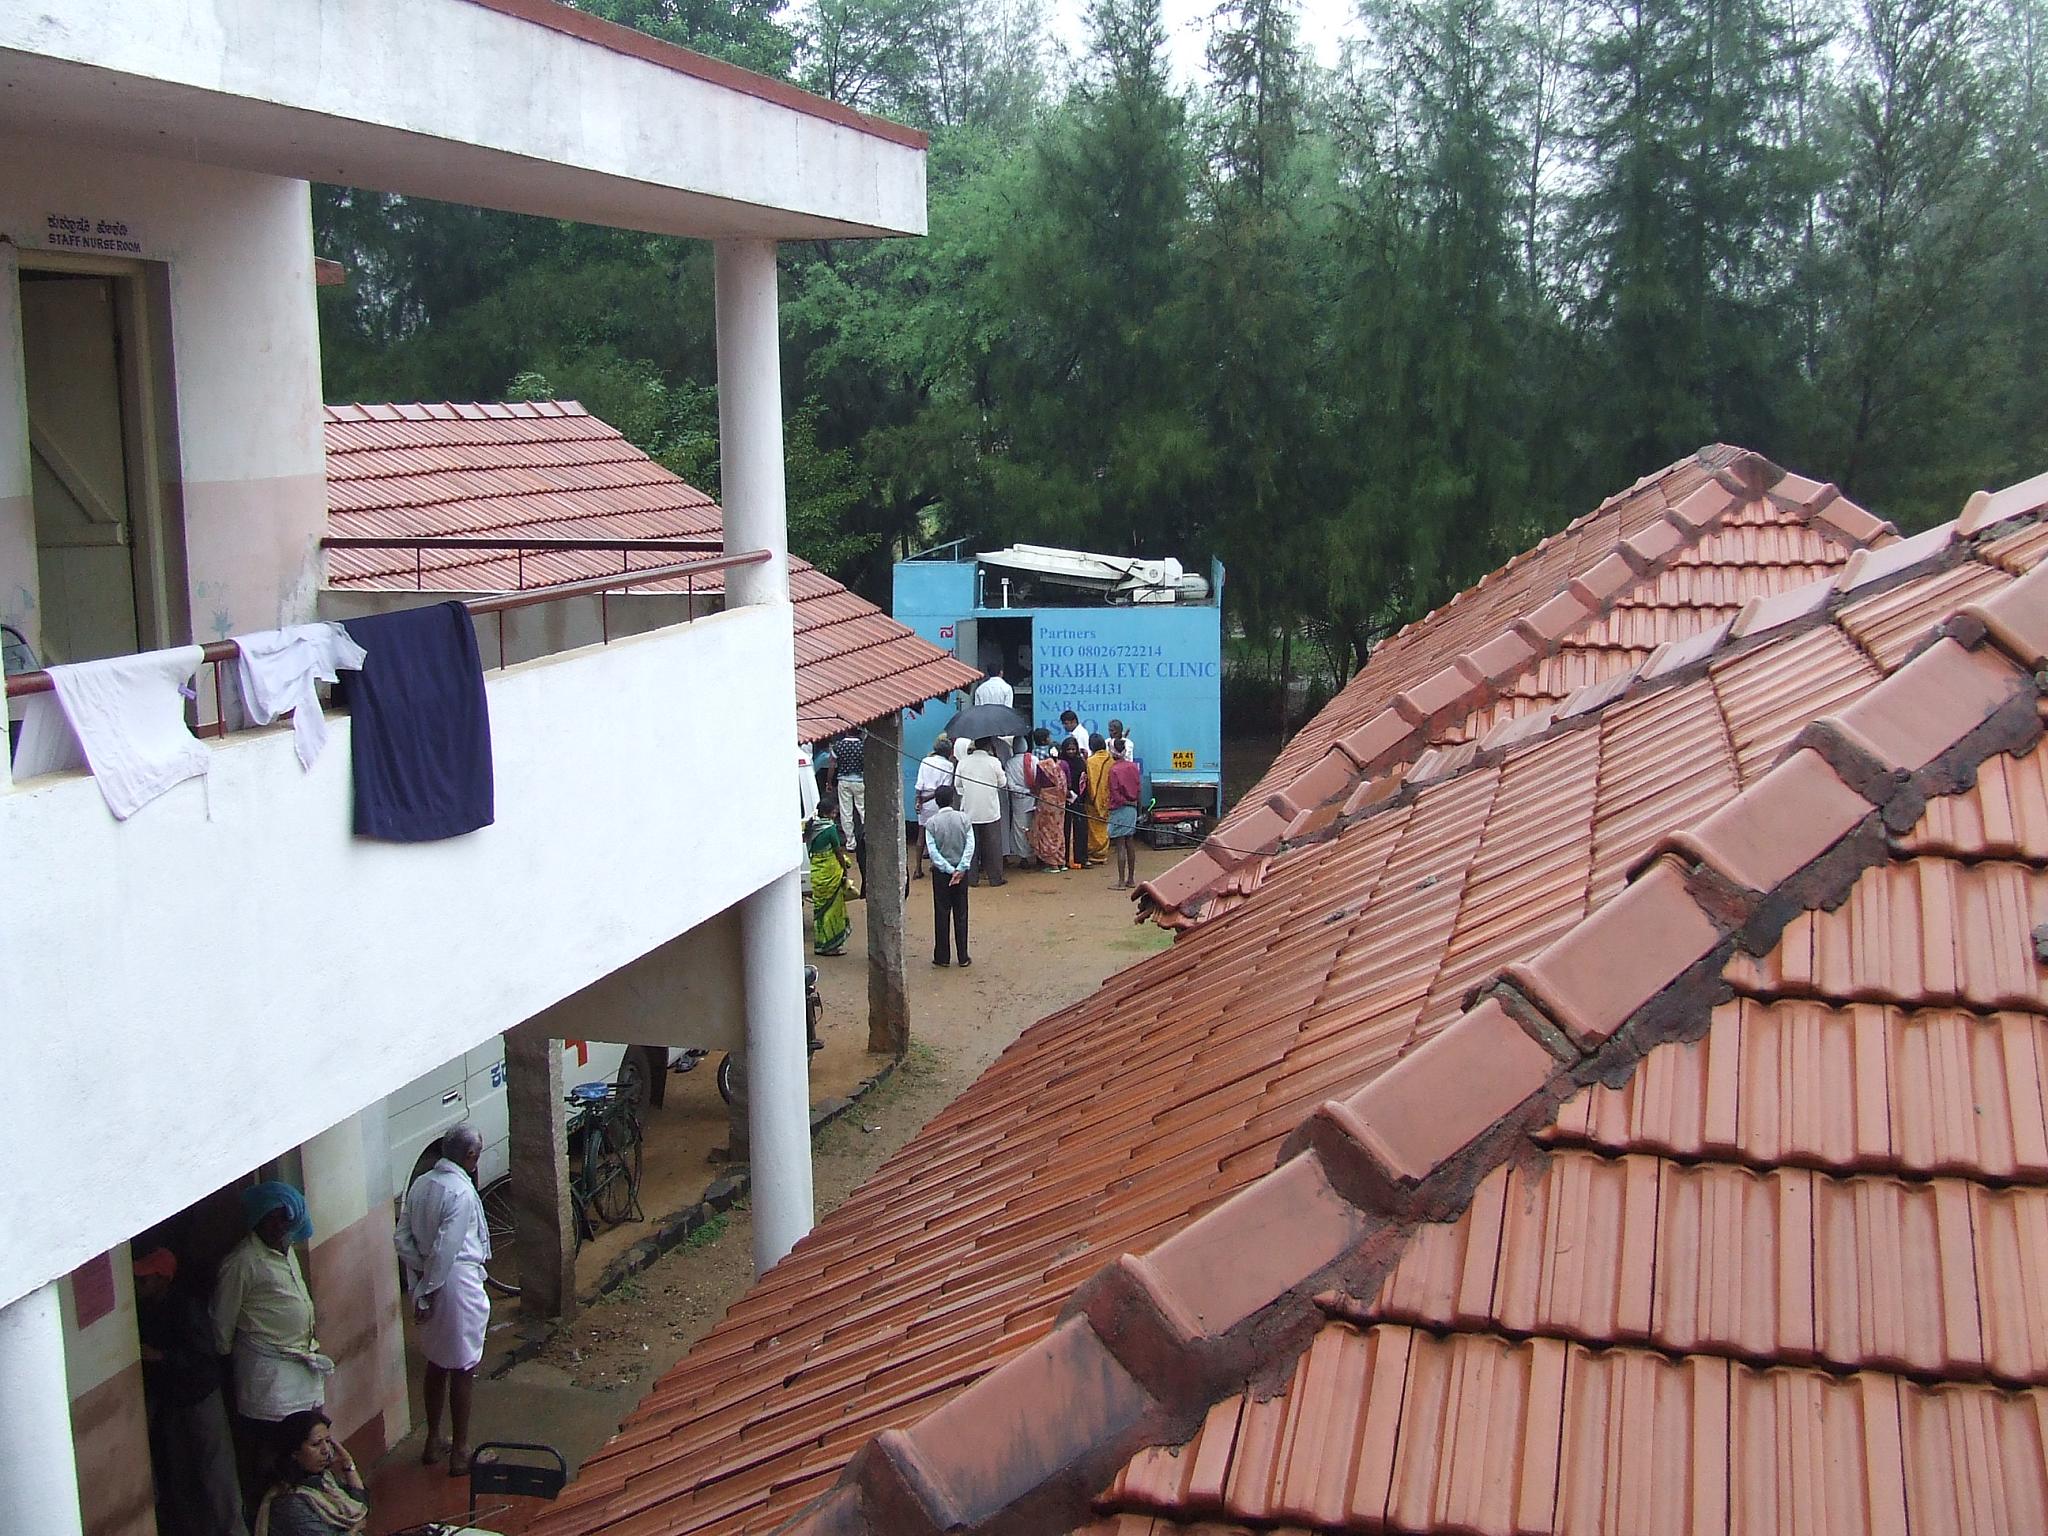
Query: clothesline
pixel 20 684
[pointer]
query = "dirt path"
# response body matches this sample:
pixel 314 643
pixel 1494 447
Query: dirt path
pixel 1040 942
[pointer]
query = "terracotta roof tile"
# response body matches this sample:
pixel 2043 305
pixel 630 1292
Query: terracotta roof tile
pixel 550 470
pixel 1678 554
pixel 1768 1260
pixel 2019 552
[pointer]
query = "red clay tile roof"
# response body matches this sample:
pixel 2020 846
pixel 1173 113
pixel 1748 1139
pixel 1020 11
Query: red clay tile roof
pixel 548 469
pixel 1658 1107
pixel 1678 553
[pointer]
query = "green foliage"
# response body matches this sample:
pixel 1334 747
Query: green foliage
pixel 743 32
pixel 708 1231
pixel 1363 334
pixel 1918 217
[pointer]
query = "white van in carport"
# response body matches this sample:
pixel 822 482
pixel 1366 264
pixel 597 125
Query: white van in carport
pixel 472 1087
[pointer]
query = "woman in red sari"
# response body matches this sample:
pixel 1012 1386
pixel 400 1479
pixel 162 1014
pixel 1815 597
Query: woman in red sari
pixel 1048 778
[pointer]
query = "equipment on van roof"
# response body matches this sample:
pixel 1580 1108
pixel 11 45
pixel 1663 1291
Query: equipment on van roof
pixel 1117 578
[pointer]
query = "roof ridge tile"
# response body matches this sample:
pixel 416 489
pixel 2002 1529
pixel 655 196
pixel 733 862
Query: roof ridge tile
pixel 1987 508
pixel 2015 619
pixel 1198 1314
pixel 1814 501
pixel 1870 565
pixel 1315 815
pixel 1476 674
pixel 1762 613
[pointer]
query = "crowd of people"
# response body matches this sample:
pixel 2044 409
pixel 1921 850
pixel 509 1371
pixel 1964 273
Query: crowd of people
pixel 981 808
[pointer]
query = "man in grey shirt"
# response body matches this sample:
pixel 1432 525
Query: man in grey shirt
pixel 949 844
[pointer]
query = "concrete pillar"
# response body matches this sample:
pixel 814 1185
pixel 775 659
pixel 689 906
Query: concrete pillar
pixel 750 426
pixel 38 1470
pixel 771 920
pixel 18 578
pixel 888 1005
pixel 358 1314
pixel 778 1068
pixel 540 1173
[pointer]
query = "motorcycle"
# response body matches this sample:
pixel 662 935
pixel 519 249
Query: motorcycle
pixel 814 1014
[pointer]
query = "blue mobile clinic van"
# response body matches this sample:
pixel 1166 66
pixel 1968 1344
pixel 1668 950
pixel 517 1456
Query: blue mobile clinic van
pixel 1107 637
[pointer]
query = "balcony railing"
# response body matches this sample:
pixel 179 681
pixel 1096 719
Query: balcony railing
pixel 224 652
pixel 625 549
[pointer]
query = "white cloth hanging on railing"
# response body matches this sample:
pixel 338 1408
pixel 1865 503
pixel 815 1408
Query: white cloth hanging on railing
pixel 126 721
pixel 278 669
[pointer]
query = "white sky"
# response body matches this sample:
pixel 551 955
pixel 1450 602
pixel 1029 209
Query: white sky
pixel 1323 23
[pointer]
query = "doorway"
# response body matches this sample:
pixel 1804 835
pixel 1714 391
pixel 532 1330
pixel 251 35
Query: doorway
pixel 1006 643
pixel 104 556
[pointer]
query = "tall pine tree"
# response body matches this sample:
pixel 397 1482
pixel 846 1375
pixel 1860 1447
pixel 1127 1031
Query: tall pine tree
pixel 1911 373
pixel 1099 443
pixel 1690 217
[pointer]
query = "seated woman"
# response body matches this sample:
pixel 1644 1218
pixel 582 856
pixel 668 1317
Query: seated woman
pixel 315 1489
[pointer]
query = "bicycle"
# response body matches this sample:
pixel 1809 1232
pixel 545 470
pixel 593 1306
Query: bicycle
pixel 605 1156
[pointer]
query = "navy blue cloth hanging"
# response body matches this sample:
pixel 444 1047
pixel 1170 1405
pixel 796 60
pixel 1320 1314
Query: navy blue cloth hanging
pixel 421 727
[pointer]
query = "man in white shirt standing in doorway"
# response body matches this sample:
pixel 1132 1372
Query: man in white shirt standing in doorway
pixel 444 1242
pixel 995 689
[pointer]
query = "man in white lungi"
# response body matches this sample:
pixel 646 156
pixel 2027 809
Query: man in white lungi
pixel 443 1242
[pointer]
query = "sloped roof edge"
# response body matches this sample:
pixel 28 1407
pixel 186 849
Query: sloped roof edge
pixel 1477 676
pixel 1149 1343
pixel 1762 621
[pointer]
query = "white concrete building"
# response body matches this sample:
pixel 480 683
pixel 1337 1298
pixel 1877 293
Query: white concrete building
pixel 229 982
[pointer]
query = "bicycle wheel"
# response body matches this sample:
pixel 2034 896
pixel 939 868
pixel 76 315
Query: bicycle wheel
pixel 611 1194
pixel 631 1143
pixel 503 1269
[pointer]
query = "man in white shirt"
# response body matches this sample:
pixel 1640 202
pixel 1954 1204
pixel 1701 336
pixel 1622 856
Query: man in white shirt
pixel 444 1241
pixel 981 784
pixel 935 771
pixel 994 689
pixel 1071 724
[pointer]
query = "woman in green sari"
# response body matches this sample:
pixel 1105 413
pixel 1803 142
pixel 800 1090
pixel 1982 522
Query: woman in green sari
pixel 829 870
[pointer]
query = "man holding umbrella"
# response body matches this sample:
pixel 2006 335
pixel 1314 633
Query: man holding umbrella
pixel 981 724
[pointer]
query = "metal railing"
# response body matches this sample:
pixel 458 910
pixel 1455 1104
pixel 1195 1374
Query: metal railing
pixel 221 653
pixel 421 546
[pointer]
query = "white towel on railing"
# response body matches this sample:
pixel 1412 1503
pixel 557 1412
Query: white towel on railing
pixel 128 715
pixel 47 744
pixel 278 668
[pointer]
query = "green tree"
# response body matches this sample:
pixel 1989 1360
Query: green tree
pixel 1912 367
pixel 1257 361
pixel 1691 217
pixel 1440 166
pixel 2022 276
pixel 1095 440
pixel 743 32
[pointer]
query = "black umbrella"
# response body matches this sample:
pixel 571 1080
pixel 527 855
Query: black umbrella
pixel 979 720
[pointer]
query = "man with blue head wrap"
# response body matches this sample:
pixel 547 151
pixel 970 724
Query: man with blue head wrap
pixel 260 1200
pixel 263 1313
